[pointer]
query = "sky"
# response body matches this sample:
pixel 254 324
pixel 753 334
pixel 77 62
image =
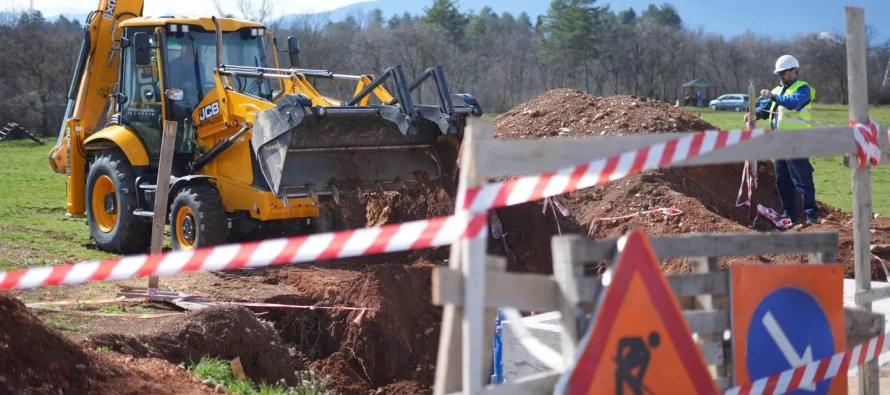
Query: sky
pixel 729 17
pixel 179 7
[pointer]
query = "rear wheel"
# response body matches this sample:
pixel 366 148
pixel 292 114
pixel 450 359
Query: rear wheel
pixel 110 203
pixel 197 218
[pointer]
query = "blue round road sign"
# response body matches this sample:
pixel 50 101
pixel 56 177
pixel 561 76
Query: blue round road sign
pixel 789 328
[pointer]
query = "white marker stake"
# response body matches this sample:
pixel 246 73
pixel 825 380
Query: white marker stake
pixel 787 349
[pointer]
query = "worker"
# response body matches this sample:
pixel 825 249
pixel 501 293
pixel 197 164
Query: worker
pixel 789 107
pixel 181 72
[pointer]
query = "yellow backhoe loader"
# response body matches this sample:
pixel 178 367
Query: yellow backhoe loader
pixel 258 148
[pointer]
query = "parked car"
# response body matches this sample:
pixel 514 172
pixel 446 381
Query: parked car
pixel 735 102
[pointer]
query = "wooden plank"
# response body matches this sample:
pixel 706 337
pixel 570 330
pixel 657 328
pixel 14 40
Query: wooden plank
pixel 707 322
pixel 720 244
pixel 712 351
pixel 872 295
pixel 857 81
pixel 459 365
pixel 863 324
pixel 709 303
pixel 522 291
pixel 536 292
pixel 541 383
pixel 693 284
pixel 567 271
pixel 160 210
pixel 535 156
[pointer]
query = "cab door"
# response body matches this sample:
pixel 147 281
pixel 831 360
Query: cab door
pixel 143 109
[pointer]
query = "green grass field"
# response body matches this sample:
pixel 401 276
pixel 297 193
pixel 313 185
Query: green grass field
pixel 833 180
pixel 35 231
pixel 33 226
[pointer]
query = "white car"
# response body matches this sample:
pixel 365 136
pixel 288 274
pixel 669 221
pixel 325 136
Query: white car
pixel 736 102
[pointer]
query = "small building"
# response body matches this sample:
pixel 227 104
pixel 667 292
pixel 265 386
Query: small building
pixel 707 88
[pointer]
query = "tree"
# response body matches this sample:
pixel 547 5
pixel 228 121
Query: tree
pixel 444 13
pixel 571 36
pixel 666 15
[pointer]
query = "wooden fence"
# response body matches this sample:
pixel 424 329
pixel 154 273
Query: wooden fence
pixel 704 294
pixel 465 341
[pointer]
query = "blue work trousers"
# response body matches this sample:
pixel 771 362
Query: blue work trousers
pixel 796 175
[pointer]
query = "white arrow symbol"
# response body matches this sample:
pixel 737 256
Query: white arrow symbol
pixel 787 349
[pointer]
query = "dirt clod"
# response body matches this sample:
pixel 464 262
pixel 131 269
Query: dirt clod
pixel 225 332
pixel 37 359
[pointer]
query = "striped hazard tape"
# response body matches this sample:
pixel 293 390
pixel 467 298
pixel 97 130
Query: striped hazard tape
pixel 602 171
pixel 867 146
pixel 816 371
pixel 406 236
pixel 352 243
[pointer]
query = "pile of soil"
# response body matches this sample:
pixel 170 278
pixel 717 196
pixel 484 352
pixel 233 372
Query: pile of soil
pixel 226 332
pixel 37 359
pixel 705 194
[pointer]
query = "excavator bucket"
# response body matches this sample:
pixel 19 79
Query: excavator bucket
pixel 316 151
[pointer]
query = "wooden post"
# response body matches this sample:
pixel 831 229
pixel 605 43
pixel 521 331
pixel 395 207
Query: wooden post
pixel 463 329
pixel 567 271
pixel 160 210
pixel 857 80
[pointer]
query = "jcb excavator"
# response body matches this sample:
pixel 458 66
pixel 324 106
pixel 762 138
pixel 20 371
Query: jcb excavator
pixel 257 147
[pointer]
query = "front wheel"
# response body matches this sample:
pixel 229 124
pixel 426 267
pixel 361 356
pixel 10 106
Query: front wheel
pixel 714 107
pixel 110 203
pixel 197 218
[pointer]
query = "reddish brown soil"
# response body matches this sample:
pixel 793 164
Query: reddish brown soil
pixel 706 194
pixel 394 341
pixel 225 332
pixel 38 360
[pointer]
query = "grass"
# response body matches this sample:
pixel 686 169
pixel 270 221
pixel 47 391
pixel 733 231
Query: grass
pixel 834 184
pixel 60 323
pixel 219 372
pixel 33 227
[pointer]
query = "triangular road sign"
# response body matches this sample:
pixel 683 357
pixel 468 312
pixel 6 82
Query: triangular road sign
pixel 639 342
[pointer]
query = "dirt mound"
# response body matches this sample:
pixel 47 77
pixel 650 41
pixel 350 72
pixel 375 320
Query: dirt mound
pixel 225 332
pixel 706 195
pixel 394 341
pixel 36 359
pixel 570 112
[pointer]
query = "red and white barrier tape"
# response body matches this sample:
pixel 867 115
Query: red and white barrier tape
pixel 816 371
pixel 667 211
pixel 867 147
pixel 749 178
pixel 406 236
pixel 774 217
pixel 352 243
pixel 602 171
pixel 86 302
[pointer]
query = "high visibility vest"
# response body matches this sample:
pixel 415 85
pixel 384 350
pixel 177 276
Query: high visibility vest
pixel 793 119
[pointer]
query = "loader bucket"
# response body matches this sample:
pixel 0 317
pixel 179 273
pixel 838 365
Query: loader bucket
pixel 339 150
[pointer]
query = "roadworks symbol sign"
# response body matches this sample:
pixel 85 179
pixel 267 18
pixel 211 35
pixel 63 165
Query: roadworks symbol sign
pixel 639 342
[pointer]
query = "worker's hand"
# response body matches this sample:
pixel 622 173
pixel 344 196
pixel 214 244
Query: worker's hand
pixel 766 93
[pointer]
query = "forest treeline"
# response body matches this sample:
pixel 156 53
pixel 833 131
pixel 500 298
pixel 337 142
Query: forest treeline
pixel 501 58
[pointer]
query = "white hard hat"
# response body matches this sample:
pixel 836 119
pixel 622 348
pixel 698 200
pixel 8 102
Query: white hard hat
pixel 786 62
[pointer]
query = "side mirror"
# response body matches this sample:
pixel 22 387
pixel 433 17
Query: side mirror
pixel 293 49
pixel 142 47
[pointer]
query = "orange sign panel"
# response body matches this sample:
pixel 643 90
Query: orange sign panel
pixel 639 342
pixel 785 316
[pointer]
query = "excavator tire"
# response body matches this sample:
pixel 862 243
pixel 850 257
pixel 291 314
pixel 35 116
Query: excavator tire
pixel 198 217
pixel 110 203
